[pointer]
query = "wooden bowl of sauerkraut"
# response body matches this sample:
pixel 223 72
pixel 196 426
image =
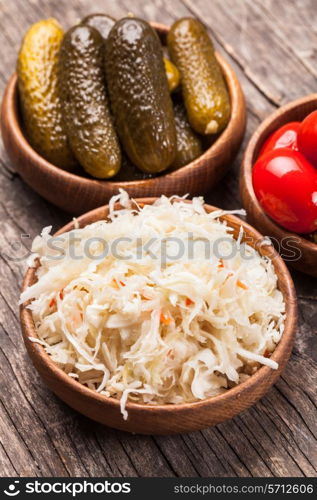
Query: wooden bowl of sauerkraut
pixel 132 322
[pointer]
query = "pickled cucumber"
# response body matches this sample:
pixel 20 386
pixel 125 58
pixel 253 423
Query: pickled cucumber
pixel 129 172
pixel 38 91
pixel 204 90
pixel 87 116
pixel 189 145
pixel 101 22
pixel 172 74
pixel 139 95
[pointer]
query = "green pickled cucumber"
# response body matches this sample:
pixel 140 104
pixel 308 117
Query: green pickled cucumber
pixel 139 95
pixel 87 115
pixel 204 90
pixel 189 145
pixel 101 22
pixel 38 90
pixel 129 172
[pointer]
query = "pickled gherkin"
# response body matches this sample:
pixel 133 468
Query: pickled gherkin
pixel 172 74
pixel 39 96
pixel 139 95
pixel 89 126
pixel 204 90
pixel 189 145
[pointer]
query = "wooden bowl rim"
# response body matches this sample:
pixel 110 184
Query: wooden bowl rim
pixel 262 374
pixel 248 162
pixel 236 99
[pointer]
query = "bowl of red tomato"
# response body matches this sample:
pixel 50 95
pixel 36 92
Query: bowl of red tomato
pixel 278 182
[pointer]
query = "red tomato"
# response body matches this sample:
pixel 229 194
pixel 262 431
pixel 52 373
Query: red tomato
pixel 285 184
pixel 284 137
pixel 307 138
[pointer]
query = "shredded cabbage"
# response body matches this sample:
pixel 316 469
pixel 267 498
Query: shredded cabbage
pixel 142 326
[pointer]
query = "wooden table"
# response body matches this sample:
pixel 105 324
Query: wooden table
pixel 272 46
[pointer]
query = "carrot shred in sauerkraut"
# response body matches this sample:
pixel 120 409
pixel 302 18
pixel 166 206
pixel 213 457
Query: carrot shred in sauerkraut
pixel 140 327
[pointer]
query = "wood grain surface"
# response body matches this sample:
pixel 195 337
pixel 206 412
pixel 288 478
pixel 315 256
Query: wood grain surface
pixel 272 47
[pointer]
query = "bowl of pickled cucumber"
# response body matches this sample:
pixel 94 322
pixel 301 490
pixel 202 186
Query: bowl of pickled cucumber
pixel 127 104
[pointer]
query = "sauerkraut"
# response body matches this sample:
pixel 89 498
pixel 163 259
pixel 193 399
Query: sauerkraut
pixel 136 309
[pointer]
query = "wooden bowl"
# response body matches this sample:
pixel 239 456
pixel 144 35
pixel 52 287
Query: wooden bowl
pixel 78 194
pixel 167 419
pixel 297 251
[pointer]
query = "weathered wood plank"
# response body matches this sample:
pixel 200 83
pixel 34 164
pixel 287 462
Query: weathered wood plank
pixel 6 465
pixel 301 21
pixel 14 452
